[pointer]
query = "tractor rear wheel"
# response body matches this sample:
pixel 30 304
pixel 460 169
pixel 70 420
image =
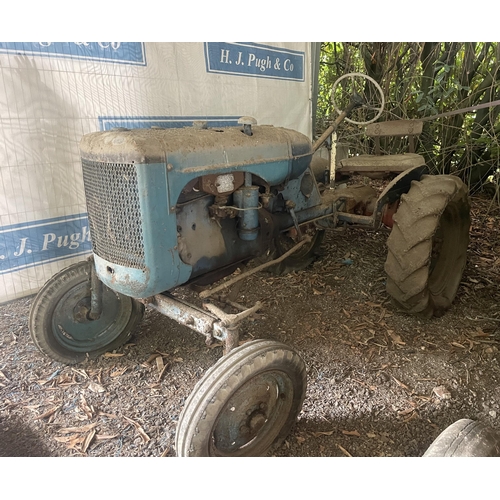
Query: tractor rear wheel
pixel 427 248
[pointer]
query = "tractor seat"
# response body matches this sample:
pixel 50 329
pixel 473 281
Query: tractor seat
pixel 377 164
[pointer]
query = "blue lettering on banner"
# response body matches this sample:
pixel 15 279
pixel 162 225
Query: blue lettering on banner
pixel 117 52
pixel 33 243
pixel 109 122
pixel 252 59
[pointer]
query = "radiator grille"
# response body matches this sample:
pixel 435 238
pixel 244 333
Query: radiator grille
pixel 114 212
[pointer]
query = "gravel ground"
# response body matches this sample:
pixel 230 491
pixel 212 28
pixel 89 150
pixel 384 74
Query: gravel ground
pixel 380 383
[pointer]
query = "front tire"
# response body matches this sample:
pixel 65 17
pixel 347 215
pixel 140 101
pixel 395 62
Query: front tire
pixel 427 248
pixel 245 405
pixel 60 325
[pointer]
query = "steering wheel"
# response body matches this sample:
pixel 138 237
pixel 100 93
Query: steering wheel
pixel 364 86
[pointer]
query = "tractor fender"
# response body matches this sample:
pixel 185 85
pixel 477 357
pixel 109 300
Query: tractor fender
pixel 393 191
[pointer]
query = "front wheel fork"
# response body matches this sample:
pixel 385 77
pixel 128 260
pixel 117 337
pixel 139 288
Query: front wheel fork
pixel 95 292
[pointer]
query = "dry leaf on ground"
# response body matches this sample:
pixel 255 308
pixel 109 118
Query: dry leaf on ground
pixel 81 429
pixel 442 392
pixel 97 388
pixel 139 429
pixel 351 433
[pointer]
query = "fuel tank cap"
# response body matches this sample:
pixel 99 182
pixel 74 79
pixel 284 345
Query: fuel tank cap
pixel 247 122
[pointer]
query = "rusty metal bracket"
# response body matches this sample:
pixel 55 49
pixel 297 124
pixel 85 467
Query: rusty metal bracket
pixel 231 320
pixel 212 324
pixel 227 329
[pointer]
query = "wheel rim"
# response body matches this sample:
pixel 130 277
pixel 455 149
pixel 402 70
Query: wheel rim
pixel 253 416
pixel 74 330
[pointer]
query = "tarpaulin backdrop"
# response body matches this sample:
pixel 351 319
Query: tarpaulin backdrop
pixel 52 93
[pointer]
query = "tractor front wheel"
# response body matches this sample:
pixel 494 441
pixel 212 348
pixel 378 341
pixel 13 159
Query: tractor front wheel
pixel 60 322
pixel 245 405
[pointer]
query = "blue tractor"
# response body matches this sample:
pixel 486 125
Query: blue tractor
pixel 170 207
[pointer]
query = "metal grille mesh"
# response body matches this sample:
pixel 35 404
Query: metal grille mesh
pixel 114 212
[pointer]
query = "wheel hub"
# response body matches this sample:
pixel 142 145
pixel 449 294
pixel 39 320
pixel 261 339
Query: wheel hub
pixel 253 414
pixel 257 422
pixel 80 313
